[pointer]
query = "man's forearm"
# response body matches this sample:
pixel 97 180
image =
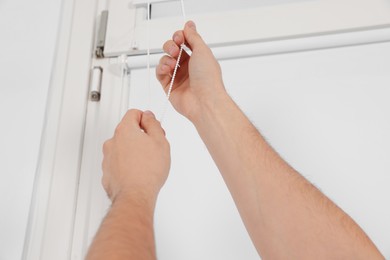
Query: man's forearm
pixel 126 232
pixel 286 216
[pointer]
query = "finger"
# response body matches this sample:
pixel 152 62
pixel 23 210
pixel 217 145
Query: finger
pixel 106 186
pixel 106 147
pixel 178 37
pixel 132 118
pixel 171 48
pixel 150 125
pixel 165 69
pixel 169 61
pixel 192 37
pixel 163 74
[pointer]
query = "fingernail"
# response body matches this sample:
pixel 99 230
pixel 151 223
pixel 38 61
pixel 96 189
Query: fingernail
pixel 176 39
pixel 192 25
pixel 172 49
pixel 149 113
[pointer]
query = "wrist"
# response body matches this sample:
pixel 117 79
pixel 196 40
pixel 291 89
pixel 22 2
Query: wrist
pixel 140 198
pixel 209 107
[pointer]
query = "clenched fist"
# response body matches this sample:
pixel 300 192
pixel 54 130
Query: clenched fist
pixel 137 159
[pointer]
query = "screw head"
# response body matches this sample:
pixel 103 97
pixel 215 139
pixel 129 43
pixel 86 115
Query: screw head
pixel 95 96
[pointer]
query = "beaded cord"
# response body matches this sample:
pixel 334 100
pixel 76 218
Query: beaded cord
pixel 177 66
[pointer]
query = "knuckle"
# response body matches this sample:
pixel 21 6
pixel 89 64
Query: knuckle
pixel 149 118
pixel 166 144
pixel 104 164
pixel 169 61
pixel 106 146
pixel 157 126
pixel 164 59
pixel 133 115
pixel 163 142
pixel 160 71
pixel 146 120
pixel 166 45
pixel 118 129
pixel 133 112
pixel 104 183
pixel 178 34
pixel 106 187
pixel 161 60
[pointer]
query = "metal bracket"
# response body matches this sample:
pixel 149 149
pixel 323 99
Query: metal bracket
pixel 101 37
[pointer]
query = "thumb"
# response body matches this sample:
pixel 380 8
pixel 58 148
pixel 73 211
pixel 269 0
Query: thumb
pixel 150 125
pixel 192 37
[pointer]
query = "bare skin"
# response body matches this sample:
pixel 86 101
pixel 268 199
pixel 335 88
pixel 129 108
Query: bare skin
pixel 132 183
pixel 286 216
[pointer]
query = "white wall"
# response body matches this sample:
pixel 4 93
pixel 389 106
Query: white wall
pixel 327 113
pixel 28 32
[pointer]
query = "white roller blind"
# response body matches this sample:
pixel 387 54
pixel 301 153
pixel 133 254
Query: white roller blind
pixel 128 29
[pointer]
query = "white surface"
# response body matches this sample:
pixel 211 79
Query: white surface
pixel 200 7
pixel 28 32
pixel 326 112
pixel 274 47
pixel 54 210
pixel 125 34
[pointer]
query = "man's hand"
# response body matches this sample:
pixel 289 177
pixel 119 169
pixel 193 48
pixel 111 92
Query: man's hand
pixel 198 81
pixel 137 159
pixel 135 167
